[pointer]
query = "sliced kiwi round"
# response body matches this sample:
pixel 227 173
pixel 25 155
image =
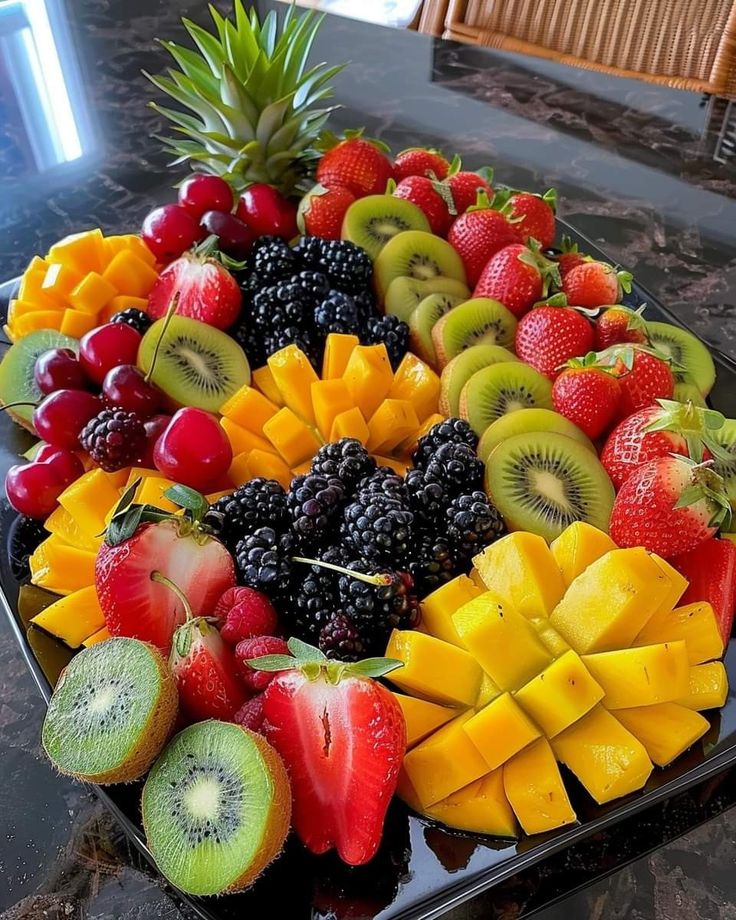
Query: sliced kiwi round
pixel 524 421
pixel 462 367
pixel 372 221
pixel 726 437
pixel 478 321
pixel 405 294
pixel 543 481
pixel 196 364
pixel 216 808
pixel 500 388
pixel 421 323
pixel 686 350
pixel 17 382
pixel 416 254
pixel 687 391
pixel 111 712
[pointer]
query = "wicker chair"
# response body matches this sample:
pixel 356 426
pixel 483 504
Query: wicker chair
pixel 688 44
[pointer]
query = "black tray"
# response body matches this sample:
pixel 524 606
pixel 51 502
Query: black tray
pixel 422 870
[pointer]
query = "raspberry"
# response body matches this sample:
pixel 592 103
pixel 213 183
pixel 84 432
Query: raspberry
pixel 244 613
pixel 252 679
pixel 251 715
pixel 114 438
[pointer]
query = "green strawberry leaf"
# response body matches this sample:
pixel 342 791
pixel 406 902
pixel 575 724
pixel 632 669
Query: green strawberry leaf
pixel 123 526
pixel 189 499
pixel 374 667
pixel 304 652
pixel 271 663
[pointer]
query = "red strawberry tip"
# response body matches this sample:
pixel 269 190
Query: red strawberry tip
pixel 313 663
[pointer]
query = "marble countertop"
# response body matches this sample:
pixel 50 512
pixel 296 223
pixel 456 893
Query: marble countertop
pixel 634 168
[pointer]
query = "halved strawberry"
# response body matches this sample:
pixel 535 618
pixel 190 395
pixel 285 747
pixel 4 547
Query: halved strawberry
pixel 710 569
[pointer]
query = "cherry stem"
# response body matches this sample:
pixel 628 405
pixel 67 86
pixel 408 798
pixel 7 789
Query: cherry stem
pixel 383 579
pixel 161 579
pixel 167 319
pixel 13 405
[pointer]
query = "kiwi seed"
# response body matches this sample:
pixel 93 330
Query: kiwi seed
pixel 416 254
pixel 500 388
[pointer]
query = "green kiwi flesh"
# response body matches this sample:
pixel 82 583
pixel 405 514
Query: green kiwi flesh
pixel 111 712
pixel 524 421
pixel 500 388
pixel 216 808
pixel 687 391
pixel 372 221
pixel 479 321
pixel 686 350
pixel 196 365
pixel 422 321
pixel 416 254
pixel 405 294
pixel 17 383
pixel 543 481
pixel 462 367
pixel 726 437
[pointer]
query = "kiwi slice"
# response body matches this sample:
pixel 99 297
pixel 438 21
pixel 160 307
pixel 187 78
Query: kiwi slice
pixel 372 221
pixel 111 712
pixel 523 421
pixel 216 808
pixel 422 320
pixel 405 294
pixel 542 481
pixel 686 350
pixel 462 367
pixel 416 254
pixel 17 383
pixel 478 321
pixel 726 437
pixel 687 391
pixel 500 388
pixel 196 364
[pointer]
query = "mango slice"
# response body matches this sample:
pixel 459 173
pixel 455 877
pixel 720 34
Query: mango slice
pixel 294 376
pixel 73 618
pixel 534 787
pixel 338 349
pixel 434 669
pixel 707 687
pixel 249 408
pixel 500 730
pixel 642 675
pixel 422 717
pixel 291 437
pixel 696 624
pixel 368 376
pixel 666 730
pixel 416 382
pixel 330 398
pixel 577 546
pixel 439 606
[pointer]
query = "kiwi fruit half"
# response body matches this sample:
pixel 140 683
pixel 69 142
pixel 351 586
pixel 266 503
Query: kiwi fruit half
pixel 405 294
pixel 726 437
pixel 687 391
pixel 216 808
pixel 524 421
pixel 196 364
pixel 416 254
pixel 500 388
pixel 479 321
pixel 462 367
pixel 542 481
pixel 686 350
pixel 111 712
pixel 372 221
pixel 421 323
pixel 17 383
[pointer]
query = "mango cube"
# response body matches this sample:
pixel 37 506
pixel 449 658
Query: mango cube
pixel 438 607
pixel 577 546
pixel 100 636
pixel 264 380
pixel 38 319
pixel 534 787
pixel 76 323
pixel 487 692
pixel 350 424
pixel 92 293
pixel 368 376
pixel 329 399
pixel 73 618
pixel 434 669
pixel 249 408
pixel 151 492
pixel 122 302
pixel 61 523
pixel 696 624
pixel 501 730
pixel 422 717
pixel 666 730
pixel 59 281
pixel 294 376
pixel 409 445
pixel 291 437
pixel 550 638
pixel 678 583
pixel 707 687
pixel 642 675
pixel 259 463
pixel 417 382
pixel 391 423
pixel 88 500
pixel 129 274
pixel 243 439
pixel 338 349
pixel 84 252
pixel 480 808
pixel 61 567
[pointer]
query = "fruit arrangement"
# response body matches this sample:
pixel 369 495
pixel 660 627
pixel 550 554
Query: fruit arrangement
pixel 333 405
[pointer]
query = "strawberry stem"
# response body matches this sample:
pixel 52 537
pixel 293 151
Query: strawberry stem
pixel 161 579
pixel 382 579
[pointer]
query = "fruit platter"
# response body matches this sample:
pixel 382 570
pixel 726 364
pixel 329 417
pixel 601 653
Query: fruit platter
pixel 368 533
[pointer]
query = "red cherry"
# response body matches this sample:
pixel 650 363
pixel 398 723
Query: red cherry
pixel 103 348
pixel 65 463
pixel 234 237
pixel 267 212
pixel 155 427
pixel 169 231
pixel 59 369
pixel 33 488
pixel 193 450
pixel 126 386
pixel 60 418
pixel 202 193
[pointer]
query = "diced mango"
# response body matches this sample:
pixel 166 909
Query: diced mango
pixel 291 437
pixel 607 759
pixel 350 424
pixel 66 528
pixel 551 639
pixel 99 636
pixel 501 730
pixel 302 469
pixel 641 676
pixel 399 466
pixel 480 807
pixel 438 607
pixel 84 252
pixel 678 583
pixel 18 308
pixel 73 618
pixel 60 280
pixel 577 546
pixel 294 376
pixel 416 381
pixel 422 717
pixel 264 380
pixel 696 624
pixel 37 263
pixel 131 241
pixel 65 568
pixel 338 349
pixel 88 500
pixel 92 293
pixel 666 730
pixel 31 289
pixel 433 669
pixel 76 323
pixel 151 492
pixel 391 423
pixel 488 692
pixel 329 399
pixel 129 274
pixel 39 319
pixel 270 466
pixel 368 376
pixel 243 439
pixel 249 408
pixel 122 302
pixel 521 568
pixel 534 787
pixel 707 687
pixel 140 472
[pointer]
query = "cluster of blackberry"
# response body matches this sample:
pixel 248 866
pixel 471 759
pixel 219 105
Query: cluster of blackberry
pixel 303 294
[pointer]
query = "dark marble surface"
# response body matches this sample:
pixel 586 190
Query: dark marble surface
pixel 633 167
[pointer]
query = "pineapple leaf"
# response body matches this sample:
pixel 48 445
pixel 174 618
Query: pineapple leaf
pixel 268 33
pixel 271 118
pixel 211 49
pixel 178 118
pixel 191 64
pixel 210 117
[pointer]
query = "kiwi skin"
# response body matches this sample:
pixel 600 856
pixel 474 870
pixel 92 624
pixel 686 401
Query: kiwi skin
pixel 528 420
pixel 422 320
pixel 405 294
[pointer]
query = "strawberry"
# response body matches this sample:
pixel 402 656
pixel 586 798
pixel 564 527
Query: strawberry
pixel 420 161
pixel 550 334
pixel 432 197
pixel 465 187
pixel 246 650
pixel 242 613
pixel 588 395
pixel 518 276
pixel 207 291
pixel 250 715
pixel 618 325
pixel 710 569
pixel 356 164
pixel 644 374
pixel 669 505
pixel 342 738
pixel 570 257
pixel 536 216
pixel 478 234
pixel 321 211
pixel 595 284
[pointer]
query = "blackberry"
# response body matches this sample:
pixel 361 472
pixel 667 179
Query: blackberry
pixel 340 639
pixel 365 302
pixel 257 503
pixel 263 560
pixel 312 597
pixel 457 468
pixel 426 498
pixel 314 502
pixel 379 527
pixel 25 535
pixel 308 252
pixel 293 335
pixel 347 266
pixel 376 609
pixel 271 260
pixel 346 460
pixel 336 313
pixel 308 287
pixel 393 333
pixel 472 523
pixel 384 481
pixel 272 312
pixel 114 438
pixel 449 431
pixel 432 563
pixel 250 339
pixel 136 319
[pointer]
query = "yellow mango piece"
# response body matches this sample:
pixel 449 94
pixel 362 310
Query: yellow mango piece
pixel 480 807
pixel 140 472
pixel 408 446
pixel 433 669
pixel 122 302
pixel 611 601
pixel 84 252
pixel 503 642
pixel 76 323
pixel 89 499
pixel 99 636
pixel 534 787
pixel 422 717
pixel 560 695
pixel 39 319
pixel 31 289
pixel 92 293
pixel 696 624
pixel 551 639
pixel 291 437
pixel 707 687
pixel 487 693
pixel 368 376
pixel 338 349
pixel 677 587
pixel 394 463
pixel 131 241
pixel 37 263
pixel 521 568
pixel 263 379
pixel 73 618
pixel 66 528
pixel 249 408
pixel 302 469
pixel 59 281
pixel 255 463
pixel 390 424
pixel 641 676
pixel 329 399
pixel 438 607
pixel 151 492
pixel 242 439
pixel 607 759
pixel 19 308
pixel 666 730
pixel 129 274
pixel 501 730
pixel 350 424
pixel 65 568
pixel 119 477
pixel 294 376
pixel 444 762
pixel 577 546
pixel 212 497
pixel 417 382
